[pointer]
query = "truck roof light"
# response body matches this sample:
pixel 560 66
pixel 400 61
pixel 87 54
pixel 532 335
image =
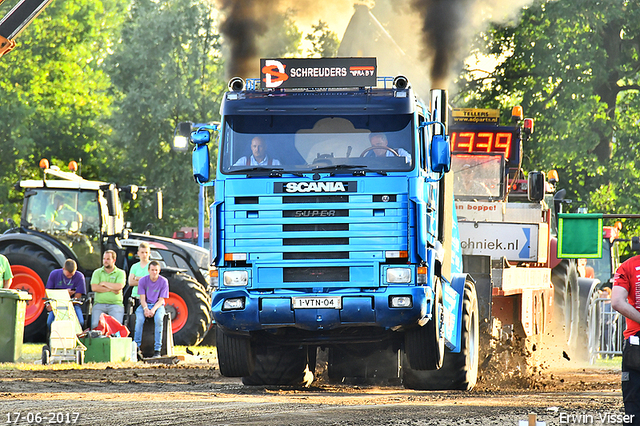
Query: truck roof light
pixel 235 256
pixel 44 163
pixel 73 166
pixel 236 84
pixel 396 254
pixel 401 82
pixel 618 225
pixel 552 176
pixel 516 113
pixel 528 125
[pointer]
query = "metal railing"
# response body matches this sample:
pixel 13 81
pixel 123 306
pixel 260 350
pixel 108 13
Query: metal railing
pixel 605 330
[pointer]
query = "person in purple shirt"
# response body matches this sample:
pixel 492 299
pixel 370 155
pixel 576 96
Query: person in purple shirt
pixel 67 278
pixel 152 289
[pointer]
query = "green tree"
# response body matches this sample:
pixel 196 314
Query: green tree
pixel 54 94
pixel 165 69
pixel 575 68
pixel 324 42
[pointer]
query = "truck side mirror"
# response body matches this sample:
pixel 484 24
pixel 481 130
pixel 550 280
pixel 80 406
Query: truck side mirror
pixel 535 190
pixel 200 162
pixel 440 154
pixel 635 243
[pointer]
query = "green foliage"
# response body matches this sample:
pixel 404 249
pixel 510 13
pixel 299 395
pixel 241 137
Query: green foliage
pixel 166 69
pixel 54 95
pixel 324 42
pixel 574 68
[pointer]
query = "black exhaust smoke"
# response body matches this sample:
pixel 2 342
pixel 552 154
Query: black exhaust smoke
pixel 244 22
pixel 448 27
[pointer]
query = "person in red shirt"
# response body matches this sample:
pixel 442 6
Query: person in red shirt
pixel 625 298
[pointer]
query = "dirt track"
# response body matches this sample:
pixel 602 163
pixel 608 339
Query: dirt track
pixel 193 393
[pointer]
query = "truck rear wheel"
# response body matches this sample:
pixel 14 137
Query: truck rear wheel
pixel 566 302
pixel 189 307
pixel 459 370
pixel 424 346
pixel 235 355
pixel 31 268
pixel 280 365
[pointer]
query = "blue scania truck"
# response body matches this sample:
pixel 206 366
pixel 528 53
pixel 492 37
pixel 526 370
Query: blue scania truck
pixel 334 228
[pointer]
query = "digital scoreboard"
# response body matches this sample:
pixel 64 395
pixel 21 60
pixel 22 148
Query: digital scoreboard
pixel 497 140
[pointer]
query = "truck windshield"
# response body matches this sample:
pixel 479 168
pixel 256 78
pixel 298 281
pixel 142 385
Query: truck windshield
pixel 477 176
pixel 303 143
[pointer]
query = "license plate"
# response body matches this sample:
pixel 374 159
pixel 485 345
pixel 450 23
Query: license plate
pixel 331 302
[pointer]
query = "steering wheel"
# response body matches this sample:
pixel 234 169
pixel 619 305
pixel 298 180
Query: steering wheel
pixel 393 151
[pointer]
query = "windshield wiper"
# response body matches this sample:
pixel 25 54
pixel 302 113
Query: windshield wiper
pixel 256 169
pixel 359 170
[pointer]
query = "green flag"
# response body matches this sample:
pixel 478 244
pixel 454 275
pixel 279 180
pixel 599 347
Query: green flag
pixel 579 235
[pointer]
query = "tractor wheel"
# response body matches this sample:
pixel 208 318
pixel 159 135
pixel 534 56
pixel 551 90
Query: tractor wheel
pixel 280 365
pixel 424 346
pixel 566 302
pixel 459 371
pixel 235 355
pixel 31 268
pixel 189 307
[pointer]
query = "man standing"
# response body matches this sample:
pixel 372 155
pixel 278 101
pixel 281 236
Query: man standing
pixel 140 269
pixel 67 278
pixel 107 282
pixel 625 298
pixel 5 272
pixel 153 289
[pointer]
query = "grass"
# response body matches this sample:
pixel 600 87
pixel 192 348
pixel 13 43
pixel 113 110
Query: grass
pixel 32 355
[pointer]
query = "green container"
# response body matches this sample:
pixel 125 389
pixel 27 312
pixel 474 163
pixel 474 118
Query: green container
pixel 13 305
pixel 107 349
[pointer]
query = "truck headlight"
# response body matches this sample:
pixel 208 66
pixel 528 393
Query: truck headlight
pixel 236 278
pixel 399 275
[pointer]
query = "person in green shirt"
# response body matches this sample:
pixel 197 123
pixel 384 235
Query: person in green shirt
pixel 140 269
pixel 5 272
pixel 107 283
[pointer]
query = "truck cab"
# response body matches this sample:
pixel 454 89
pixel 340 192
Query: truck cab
pixel 331 226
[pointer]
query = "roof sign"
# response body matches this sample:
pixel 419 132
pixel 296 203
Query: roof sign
pixel 318 72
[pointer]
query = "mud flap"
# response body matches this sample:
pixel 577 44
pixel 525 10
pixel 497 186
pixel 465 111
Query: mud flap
pixel 452 304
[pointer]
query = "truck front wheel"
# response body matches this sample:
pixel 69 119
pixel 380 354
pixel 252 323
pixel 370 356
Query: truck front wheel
pixel 235 355
pixel 459 370
pixel 424 346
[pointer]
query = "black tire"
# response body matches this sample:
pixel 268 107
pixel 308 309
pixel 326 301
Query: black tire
pixel 459 371
pixel 279 365
pixel 566 302
pixel 79 357
pixel 46 355
pixel 235 355
pixel 35 264
pixel 185 293
pixel 424 346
